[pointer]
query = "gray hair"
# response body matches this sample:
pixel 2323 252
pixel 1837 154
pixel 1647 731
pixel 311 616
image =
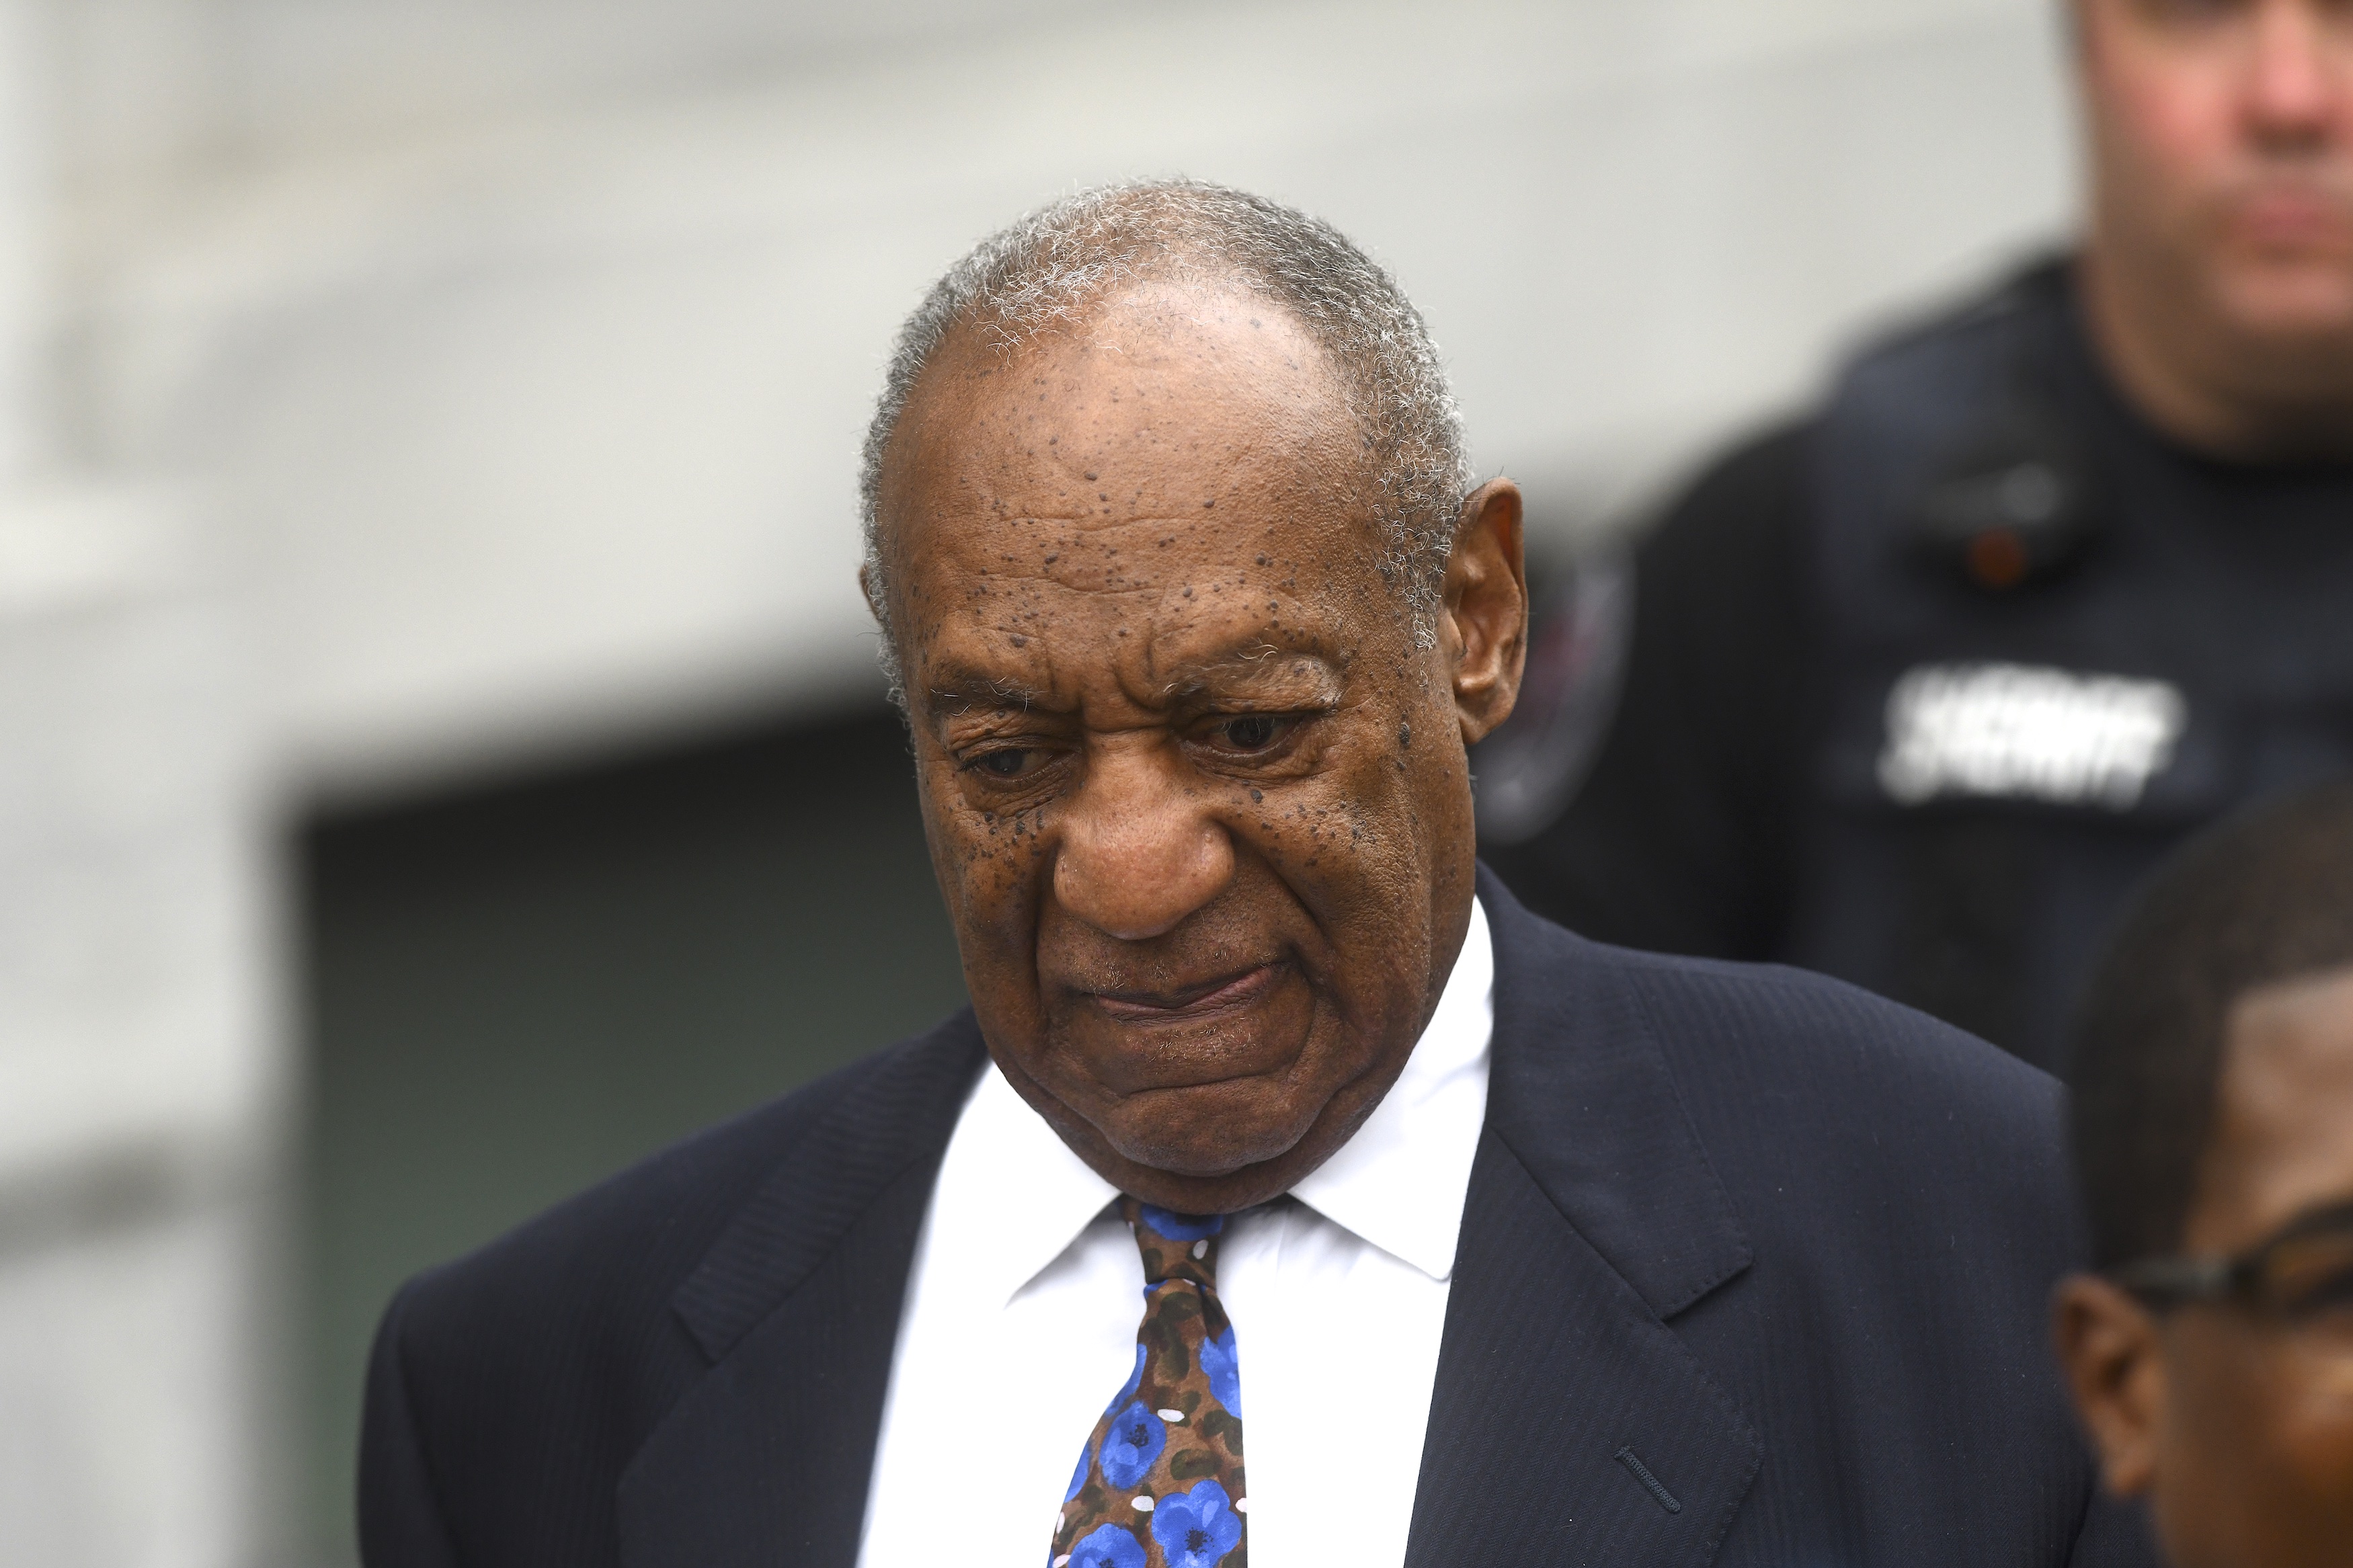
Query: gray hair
pixel 1043 270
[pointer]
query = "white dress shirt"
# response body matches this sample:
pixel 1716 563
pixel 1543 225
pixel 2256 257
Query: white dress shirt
pixel 1026 1291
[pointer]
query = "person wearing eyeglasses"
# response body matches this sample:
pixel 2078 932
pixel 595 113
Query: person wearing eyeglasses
pixel 2212 1351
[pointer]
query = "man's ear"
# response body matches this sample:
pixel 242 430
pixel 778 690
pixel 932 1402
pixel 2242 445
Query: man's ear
pixel 2108 1345
pixel 1484 626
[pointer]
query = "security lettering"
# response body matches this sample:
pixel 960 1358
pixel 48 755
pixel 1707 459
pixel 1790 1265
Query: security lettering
pixel 2027 733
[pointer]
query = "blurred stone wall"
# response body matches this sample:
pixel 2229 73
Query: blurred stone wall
pixel 142 1080
pixel 393 389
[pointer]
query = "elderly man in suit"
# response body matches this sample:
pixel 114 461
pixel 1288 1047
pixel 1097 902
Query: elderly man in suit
pixel 1271 1114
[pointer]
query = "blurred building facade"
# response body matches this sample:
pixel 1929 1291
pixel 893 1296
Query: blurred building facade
pixel 394 392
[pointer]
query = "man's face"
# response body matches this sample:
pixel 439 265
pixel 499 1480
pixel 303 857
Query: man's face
pixel 2223 152
pixel 1199 805
pixel 2240 1427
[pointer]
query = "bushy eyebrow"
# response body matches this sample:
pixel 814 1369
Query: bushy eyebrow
pixel 957 688
pixel 1259 665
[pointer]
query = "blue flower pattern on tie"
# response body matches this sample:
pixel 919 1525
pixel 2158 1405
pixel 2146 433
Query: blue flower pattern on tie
pixel 1197 1528
pixel 1136 1439
pixel 1225 1370
pixel 1159 1483
pixel 1109 1546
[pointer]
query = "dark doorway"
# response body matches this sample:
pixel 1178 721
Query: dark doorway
pixel 517 989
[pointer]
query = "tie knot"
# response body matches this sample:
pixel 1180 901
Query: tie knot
pixel 1174 1246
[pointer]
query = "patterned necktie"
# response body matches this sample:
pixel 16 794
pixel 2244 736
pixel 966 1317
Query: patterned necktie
pixel 1159 1485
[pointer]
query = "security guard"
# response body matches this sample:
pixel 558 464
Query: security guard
pixel 1917 689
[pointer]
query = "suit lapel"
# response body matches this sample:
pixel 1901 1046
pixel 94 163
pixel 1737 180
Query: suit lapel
pixel 1570 1423
pixel 767 1458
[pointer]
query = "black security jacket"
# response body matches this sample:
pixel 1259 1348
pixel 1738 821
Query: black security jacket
pixel 1780 1246
pixel 1736 810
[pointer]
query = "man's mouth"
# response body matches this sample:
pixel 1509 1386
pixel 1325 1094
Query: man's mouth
pixel 2295 216
pixel 1190 1004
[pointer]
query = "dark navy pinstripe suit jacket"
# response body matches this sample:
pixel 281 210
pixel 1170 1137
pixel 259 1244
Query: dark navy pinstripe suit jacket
pixel 1753 1271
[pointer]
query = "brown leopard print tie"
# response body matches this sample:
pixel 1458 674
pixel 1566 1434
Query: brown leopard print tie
pixel 1159 1485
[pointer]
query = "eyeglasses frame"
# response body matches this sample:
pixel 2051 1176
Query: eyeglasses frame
pixel 2163 1284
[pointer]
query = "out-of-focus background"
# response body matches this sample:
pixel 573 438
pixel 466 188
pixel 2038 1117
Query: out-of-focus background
pixel 440 758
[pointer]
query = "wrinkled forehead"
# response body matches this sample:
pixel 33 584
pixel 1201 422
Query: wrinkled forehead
pixel 1177 393
pixel 1180 441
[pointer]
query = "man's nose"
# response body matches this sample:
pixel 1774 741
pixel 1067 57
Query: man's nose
pixel 1138 852
pixel 2300 66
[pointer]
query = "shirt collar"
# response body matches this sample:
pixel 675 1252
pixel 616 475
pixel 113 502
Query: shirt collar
pixel 1009 1177
pixel 1400 1183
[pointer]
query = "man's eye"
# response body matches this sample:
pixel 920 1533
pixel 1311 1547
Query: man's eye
pixel 1006 763
pixel 2312 1276
pixel 1252 731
